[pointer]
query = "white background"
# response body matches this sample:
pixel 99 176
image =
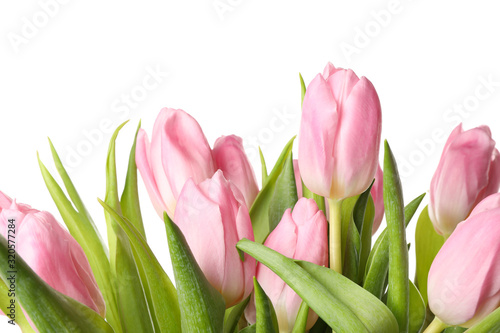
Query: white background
pixel 234 72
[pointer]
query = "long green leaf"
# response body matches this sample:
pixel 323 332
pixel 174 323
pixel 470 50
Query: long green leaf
pixel 259 213
pixel 83 229
pixel 132 304
pixel 301 320
pixel 17 317
pixel 398 294
pixel 327 306
pixel 162 292
pixel 377 266
pixel 202 307
pixel 285 194
pixel 427 245
pixel 417 310
pixel 233 315
pixel 49 310
pixel 264 167
pixel 375 316
pixel 302 89
pixel 266 321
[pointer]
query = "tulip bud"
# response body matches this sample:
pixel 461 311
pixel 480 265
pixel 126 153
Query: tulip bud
pixel 213 217
pixel 231 159
pixel 339 135
pixel 464 279
pixel 378 199
pixel 469 171
pixel 488 203
pixel 301 235
pixel 52 253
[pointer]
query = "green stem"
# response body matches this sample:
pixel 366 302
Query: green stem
pixel 436 326
pixel 335 235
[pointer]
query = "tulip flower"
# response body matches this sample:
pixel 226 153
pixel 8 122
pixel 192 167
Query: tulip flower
pixel 231 159
pixel 339 142
pixel 464 279
pixel 179 151
pixel 213 217
pixel 52 253
pixel 488 203
pixel 378 199
pixel 469 171
pixel 302 235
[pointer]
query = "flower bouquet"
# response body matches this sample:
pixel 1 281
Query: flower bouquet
pixel 296 255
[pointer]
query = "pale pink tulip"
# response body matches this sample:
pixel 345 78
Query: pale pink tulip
pixel 464 279
pixel 230 157
pixel 488 203
pixel 302 235
pixel 469 171
pixel 213 217
pixel 52 253
pixel 377 193
pixel 339 135
pixel 179 151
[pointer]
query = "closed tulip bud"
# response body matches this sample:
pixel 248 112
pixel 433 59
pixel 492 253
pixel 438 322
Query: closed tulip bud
pixel 231 159
pixel 378 199
pixel 464 279
pixel 469 171
pixel 213 217
pixel 302 235
pixel 488 203
pixel 51 252
pixel 339 135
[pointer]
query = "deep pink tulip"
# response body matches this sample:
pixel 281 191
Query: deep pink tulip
pixel 377 193
pixel 464 279
pixel 302 235
pixel 339 135
pixel 231 159
pixel 469 171
pixel 52 253
pixel 214 217
pixel 179 151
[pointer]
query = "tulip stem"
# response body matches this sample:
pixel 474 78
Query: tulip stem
pixel 436 326
pixel 335 235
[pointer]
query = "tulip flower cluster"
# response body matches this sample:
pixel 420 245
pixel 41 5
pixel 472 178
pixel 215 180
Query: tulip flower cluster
pixel 296 255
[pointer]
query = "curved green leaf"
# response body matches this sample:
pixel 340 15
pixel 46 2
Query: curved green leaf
pixel 49 310
pixel 202 307
pixel 302 89
pixel 327 306
pixel 266 321
pixel 233 315
pixel 18 317
pixel 301 320
pixel 398 294
pixel 427 245
pixel 417 310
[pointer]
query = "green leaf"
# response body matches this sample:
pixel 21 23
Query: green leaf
pixel 162 294
pixel 18 316
pixel 132 303
pixel 302 89
pixel 427 245
pixel 259 213
pixel 301 320
pixel 129 200
pixel 249 329
pixel 352 250
pixel 285 194
pixel 83 229
pixel 458 329
pixel 327 306
pixel 378 261
pixel 398 294
pixel 49 310
pixel 363 216
pixel 202 307
pixel 233 315
pixel 374 315
pixel 266 321
pixel 417 310
pixel 264 167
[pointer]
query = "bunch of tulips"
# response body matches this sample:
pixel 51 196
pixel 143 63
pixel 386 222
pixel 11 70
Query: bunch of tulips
pixel 295 255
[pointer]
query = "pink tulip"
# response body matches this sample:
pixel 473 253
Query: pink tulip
pixel 464 279
pixel 488 203
pixel 52 253
pixel 179 151
pixel 339 135
pixel 469 171
pixel 302 235
pixel 213 217
pixel 377 193
pixel 231 159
